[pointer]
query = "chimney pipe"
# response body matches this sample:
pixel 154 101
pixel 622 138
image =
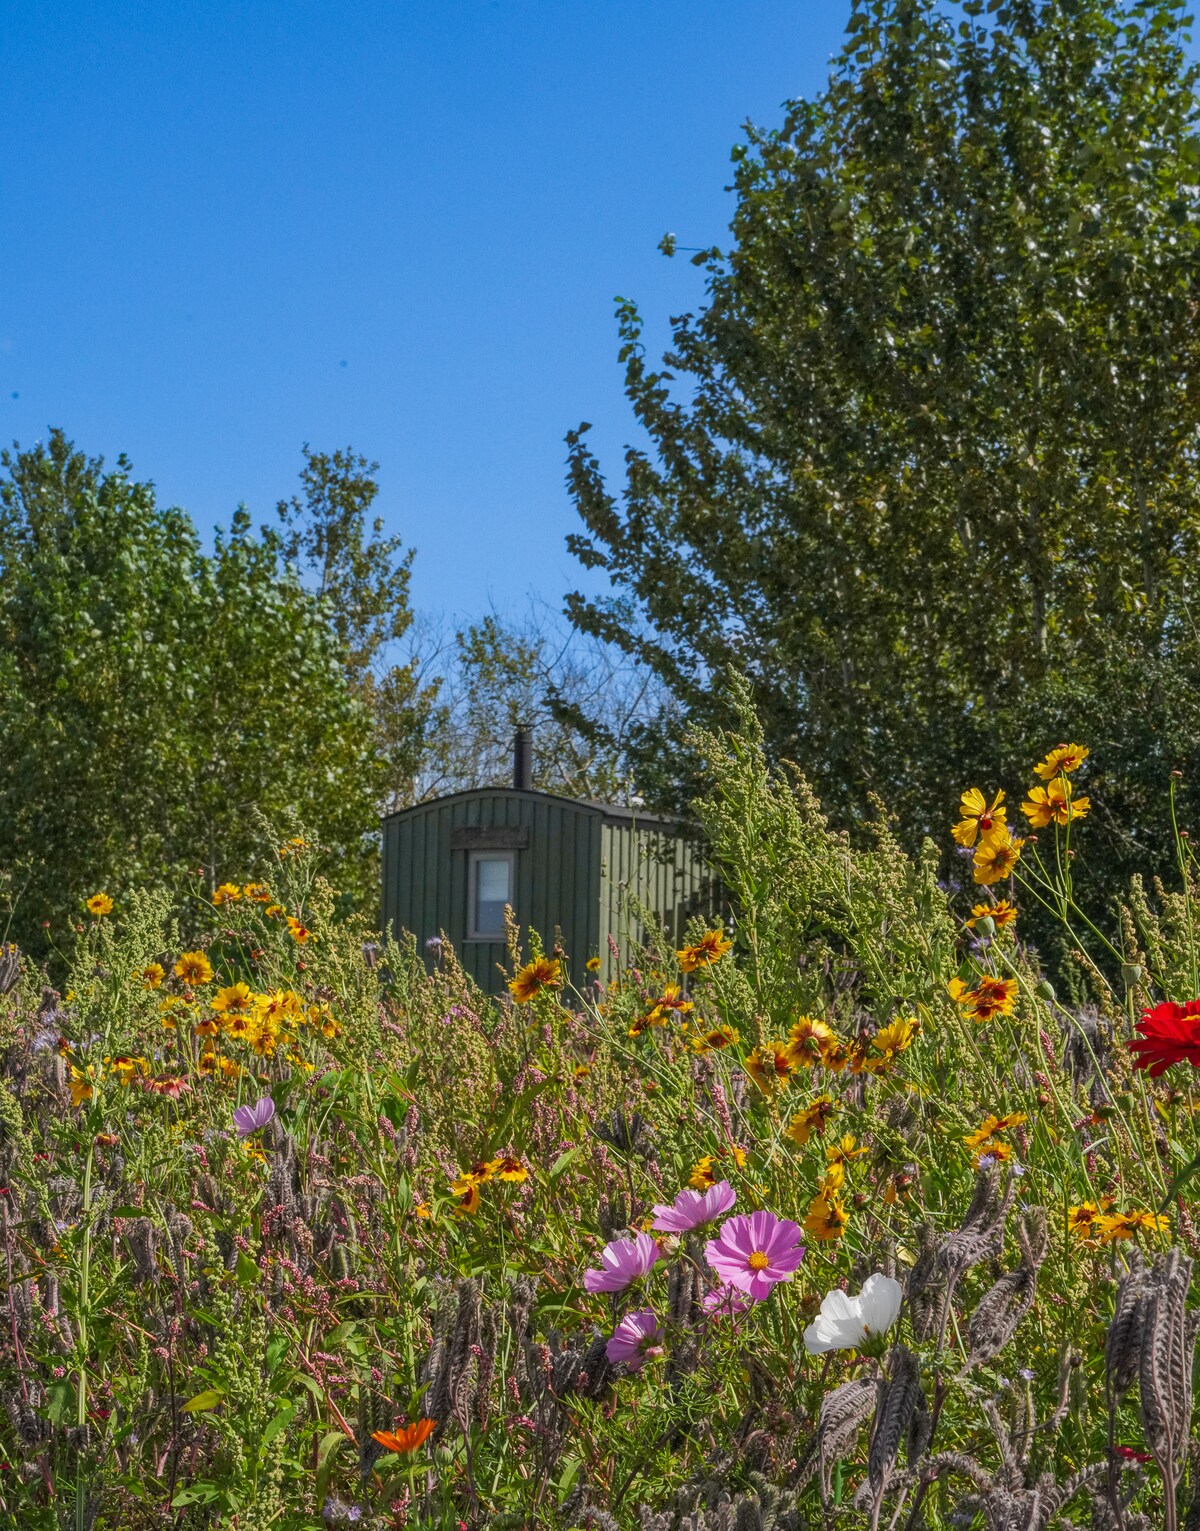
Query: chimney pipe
pixel 523 758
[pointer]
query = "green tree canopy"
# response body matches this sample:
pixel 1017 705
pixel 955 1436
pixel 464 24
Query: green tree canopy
pixel 924 465
pixel 160 707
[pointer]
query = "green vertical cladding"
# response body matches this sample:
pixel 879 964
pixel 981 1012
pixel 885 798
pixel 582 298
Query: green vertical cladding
pixel 580 867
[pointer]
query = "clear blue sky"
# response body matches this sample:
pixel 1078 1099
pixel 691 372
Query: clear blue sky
pixel 233 228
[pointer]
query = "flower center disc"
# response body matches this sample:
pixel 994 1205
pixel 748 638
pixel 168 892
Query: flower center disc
pixel 758 1261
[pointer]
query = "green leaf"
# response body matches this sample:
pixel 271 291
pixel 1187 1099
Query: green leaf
pixel 564 1162
pixel 208 1399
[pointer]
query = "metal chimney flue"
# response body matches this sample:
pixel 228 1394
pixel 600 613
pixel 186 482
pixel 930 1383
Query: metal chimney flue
pixel 523 759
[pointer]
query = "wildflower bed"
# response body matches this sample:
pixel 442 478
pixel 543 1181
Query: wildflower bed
pixel 837 1216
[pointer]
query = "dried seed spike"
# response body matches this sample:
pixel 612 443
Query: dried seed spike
pixel 839 1421
pixel 1123 1345
pixel 898 1400
pixel 1165 1373
pixel 999 1312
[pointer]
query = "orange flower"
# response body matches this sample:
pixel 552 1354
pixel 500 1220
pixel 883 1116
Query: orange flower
pixel 808 1040
pixel 408 1438
pixel 541 973
pixel 711 946
pixel 770 1065
pixel 989 998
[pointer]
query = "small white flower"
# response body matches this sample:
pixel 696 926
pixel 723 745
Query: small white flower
pixel 850 1323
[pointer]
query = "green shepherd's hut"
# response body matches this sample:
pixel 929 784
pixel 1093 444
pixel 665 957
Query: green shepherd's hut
pixel 579 872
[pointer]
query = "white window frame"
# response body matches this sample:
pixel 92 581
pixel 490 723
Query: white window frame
pixel 473 860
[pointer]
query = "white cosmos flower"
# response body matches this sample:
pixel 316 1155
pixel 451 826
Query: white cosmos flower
pixel 850 1323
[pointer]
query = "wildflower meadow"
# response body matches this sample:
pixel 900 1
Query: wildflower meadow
pixel 844 1212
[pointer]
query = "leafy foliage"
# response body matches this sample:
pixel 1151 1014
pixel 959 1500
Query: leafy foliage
pixel 366 1301
pixel 928 475
pixel 159 706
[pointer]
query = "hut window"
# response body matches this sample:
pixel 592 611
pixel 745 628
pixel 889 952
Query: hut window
pixel 491 887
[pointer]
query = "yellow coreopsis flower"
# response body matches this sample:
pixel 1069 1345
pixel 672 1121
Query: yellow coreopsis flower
pixel 194 968
pixel 299 932
pixel 237 999
pixel 702 1175
pixel 1083 1219
pixel 592 964
pixel 893 1039
pixel 979 817
pixel 1053 804
pixel 227 893
pixel 1002 913
pixel 541 973
pixel 1118 1226
pixel 826 1219
pixel 996 856
pixel 991 1126
pixel 709 948
pixel 508 1168
pixel 714 1039
pixel 815 1117
pixel 1065 757
pixel 845 1149
pixel 99 904
pixel 152 975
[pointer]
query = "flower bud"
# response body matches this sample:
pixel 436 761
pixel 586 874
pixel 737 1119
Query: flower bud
pixel 1131 972
pixel 985 926
pixel 1045 990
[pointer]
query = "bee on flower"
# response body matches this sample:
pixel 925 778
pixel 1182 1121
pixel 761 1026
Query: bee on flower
pixel 227 893
pixel 826 1219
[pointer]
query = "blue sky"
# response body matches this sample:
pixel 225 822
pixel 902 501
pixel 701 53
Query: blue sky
pixel 234 228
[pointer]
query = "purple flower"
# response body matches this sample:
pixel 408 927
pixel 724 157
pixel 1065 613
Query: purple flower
pixel 691 1209
pixel 248 1119
pixel 753 1251
pixel 622 1261
pixel 635 1339
pixel 724 1302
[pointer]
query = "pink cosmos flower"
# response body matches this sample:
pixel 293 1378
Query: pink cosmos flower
pixel 635 1340
pixel 248 1119
pixel 622 1261
pixel 724 1302
pixel 692 1209
pixel 753 1251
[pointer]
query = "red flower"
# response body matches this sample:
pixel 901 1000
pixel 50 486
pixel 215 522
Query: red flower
pixel 1168 1034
